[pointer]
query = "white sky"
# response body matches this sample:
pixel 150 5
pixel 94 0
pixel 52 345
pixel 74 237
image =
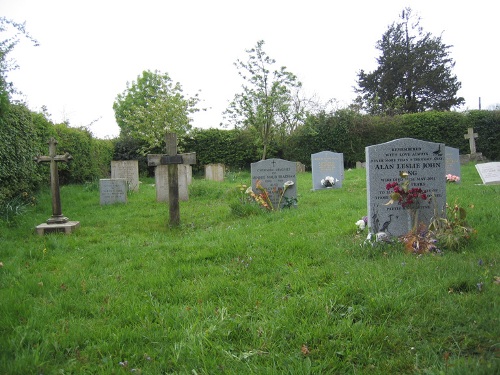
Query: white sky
pixel 90 49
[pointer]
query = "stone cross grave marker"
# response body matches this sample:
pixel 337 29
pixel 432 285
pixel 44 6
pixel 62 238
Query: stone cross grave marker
pixel 425 164
pixel 272 174
pixel 327 164
pixel 489 172
pixel 172 159
pixel 471 136
pixel 57 221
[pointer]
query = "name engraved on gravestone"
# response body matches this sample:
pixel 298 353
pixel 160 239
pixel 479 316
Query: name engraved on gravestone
pixel 127 169
pixel 113 191
pixel 489 172
pixel 324 164
pixel 425 164
pixel 452 162
pixel 272 174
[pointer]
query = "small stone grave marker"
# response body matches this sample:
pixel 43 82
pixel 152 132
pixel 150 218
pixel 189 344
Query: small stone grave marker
pixel 127 169
pixel 113 190
pixel 214 172
pixel 425 164
pixel 272 174
pixel 324 164
pixel 489 172
pixel 452 162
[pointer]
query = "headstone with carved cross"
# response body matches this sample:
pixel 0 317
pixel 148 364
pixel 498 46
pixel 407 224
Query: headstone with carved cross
pixel 57 222
pixel 172 160
pixel 471 136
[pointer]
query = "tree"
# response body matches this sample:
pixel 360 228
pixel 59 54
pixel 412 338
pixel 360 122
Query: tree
pixel 414 72
pixel 6 46
pixel 268 102
pixel 152 106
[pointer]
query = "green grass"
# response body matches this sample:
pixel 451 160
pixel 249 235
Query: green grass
pixel 288 292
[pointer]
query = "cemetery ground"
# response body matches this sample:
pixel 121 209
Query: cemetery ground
pixel 289 292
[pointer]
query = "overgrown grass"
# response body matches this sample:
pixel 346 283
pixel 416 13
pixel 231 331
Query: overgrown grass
pixel 285 292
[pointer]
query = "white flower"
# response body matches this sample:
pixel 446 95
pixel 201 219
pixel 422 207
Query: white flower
pixel 249 190
pixel 361 224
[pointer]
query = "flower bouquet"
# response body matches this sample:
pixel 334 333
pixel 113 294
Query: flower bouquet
pixel 452 178
pixel 328 181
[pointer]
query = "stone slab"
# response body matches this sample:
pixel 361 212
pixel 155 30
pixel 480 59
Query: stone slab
pixel 489 172
pixel 65 228
pixel 452 160
pixel 214 172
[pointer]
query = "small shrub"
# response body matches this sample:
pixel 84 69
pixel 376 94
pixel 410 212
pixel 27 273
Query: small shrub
pixel 12 209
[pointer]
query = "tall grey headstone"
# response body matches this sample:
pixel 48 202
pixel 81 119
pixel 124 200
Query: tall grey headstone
pixel 327 163
pixel 113 190
pixel 489 172
pixel 425 164
pixel 162 186
pixel 272 174
pixel 452 162
pixel 127 169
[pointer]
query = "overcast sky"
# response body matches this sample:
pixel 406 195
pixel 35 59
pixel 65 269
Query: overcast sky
pixel 90 49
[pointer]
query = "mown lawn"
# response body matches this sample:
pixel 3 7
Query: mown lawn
pixel 290 292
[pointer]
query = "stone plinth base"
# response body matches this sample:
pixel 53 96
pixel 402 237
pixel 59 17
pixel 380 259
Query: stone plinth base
pixel 67 227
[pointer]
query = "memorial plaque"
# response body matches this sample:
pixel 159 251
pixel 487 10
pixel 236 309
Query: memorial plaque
pixel 425 164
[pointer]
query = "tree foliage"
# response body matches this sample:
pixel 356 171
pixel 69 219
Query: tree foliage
pixel 268 103
pixel 152 106
pixel 11 32
pixel 414 72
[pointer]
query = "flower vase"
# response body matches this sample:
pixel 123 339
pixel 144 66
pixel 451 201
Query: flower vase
pixel 412 219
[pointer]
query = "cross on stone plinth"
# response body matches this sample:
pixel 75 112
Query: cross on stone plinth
pixel 471 136
pixel 172 159
pixel 57 216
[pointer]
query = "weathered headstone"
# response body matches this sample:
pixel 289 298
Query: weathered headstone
pixel 272 174
pixel 489 172
pixel 360 165
pixel 300 167
pixel 57 222
pixel 172 160
pixel 214 172
pixel 161 182
pixel 425 164
pixel 327 164
pixel 127 169
pixel 452 162
pixel 113 190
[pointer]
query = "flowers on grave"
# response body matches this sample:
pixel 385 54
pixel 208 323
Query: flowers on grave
pixel 263 197
pixel 328 181
pixel 402 193
pixel 361 224
pixel 452 178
